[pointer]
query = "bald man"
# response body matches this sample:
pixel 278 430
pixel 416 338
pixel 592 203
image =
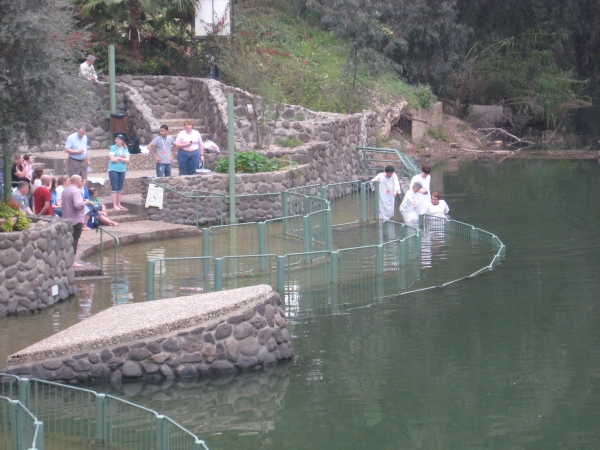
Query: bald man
pixel 42 198
pixel 73 208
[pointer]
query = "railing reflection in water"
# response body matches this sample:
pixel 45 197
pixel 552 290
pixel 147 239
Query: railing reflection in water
pixel 80 418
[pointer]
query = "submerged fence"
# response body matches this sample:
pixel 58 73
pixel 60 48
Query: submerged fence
pixel 76 416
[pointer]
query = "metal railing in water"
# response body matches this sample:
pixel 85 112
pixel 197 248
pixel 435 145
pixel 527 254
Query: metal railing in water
pixel 19 428
pixel 306 226
pixel 74 415
pixel 407 169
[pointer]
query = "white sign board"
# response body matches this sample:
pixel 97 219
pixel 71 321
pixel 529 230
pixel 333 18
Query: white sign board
pixel 211 16
pixel 155 196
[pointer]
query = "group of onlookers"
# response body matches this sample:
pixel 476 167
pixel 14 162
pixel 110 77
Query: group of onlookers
pixel 418 200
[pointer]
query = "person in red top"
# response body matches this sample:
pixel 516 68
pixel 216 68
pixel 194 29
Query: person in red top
pixel 42 199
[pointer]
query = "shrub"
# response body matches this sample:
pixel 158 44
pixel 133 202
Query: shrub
pixel 438 133
pixel 8 211
pixel 252 162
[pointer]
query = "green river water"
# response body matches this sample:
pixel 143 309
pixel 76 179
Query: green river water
pixel 509 359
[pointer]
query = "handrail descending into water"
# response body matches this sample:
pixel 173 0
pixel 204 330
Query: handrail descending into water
pixel 407 169
pixel 82 414
pixel 19 428
pixel 116 245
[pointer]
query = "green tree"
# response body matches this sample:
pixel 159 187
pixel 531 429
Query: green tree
pixel 422 39
pixel 138 20
pixel 39 84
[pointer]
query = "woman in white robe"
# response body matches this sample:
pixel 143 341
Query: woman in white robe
pixel 437 207
pixel 389 189
pixel 423 197
pixel 409 205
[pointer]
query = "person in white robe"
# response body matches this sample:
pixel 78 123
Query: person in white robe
pixel 437 207
pixel 409 205
pixel 423 197
pixel 389 189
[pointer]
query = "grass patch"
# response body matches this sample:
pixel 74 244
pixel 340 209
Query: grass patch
pixel 438 133
pixel 289 142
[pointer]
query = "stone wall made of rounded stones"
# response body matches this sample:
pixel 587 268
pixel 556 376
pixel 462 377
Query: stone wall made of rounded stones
pixel 31 262
pixel 318 163
pixel 247 340
pixel 181 210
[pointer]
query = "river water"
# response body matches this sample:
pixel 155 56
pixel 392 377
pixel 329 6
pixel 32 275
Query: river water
pixel 508 359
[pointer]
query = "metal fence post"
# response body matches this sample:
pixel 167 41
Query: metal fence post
pixel 280 283
pixel 150 270
pixel 334 267
pixel 100 417
pixel 218 274
pixel 15 426
pixel 101 251
pixel 363 202
pixel 206 242
pixel 307 234
pixel 39 442
pixel 262 246
pixel 379 259
pixel 328 224
pixel 24 391
pixel 376 202
pixel 324 192
pixel 162 433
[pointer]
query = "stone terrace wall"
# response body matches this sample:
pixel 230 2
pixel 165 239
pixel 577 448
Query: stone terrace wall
pixel 31 262
pixel 148 99
pixel 243 340
pixel 318 163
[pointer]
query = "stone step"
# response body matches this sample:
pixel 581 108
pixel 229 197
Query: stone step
pixel 55 163
pixel 132 185
pixel 124 218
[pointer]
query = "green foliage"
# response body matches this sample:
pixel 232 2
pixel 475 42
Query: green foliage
pixel 510 72
pixel 252 162
pixel 39 84
pixel 300 118
pixel 311 67
pixel 462 127
pixel 8 211
pixel 438 133
pixel 289 142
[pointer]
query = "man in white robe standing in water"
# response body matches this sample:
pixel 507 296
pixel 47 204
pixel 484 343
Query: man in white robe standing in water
pixel 389 189
pixel 422 196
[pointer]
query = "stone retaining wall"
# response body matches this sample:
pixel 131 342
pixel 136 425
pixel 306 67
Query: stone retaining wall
pixel 318 163
pixel 32 262
pixel 244 339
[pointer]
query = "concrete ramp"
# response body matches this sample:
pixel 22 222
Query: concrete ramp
pixel 220 332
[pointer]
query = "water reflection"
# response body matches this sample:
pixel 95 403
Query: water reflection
pixel 249 402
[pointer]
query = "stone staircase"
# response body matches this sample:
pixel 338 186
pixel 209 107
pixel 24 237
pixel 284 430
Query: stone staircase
pixel 141 165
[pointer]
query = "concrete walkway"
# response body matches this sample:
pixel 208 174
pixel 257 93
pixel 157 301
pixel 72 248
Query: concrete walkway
pixel 127 233
pixel 135 321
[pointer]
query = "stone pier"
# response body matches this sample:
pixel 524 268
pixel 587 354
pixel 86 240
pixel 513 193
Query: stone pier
pixel 186 337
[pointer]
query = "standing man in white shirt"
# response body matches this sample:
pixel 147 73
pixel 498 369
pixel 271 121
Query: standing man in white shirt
pixel 86 69
pixel 76 147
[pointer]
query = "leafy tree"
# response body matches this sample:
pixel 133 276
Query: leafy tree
pixel 39 84
pixel 422 40
pixel 137 20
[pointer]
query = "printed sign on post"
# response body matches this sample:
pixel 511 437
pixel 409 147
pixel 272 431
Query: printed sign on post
pixel 155 196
